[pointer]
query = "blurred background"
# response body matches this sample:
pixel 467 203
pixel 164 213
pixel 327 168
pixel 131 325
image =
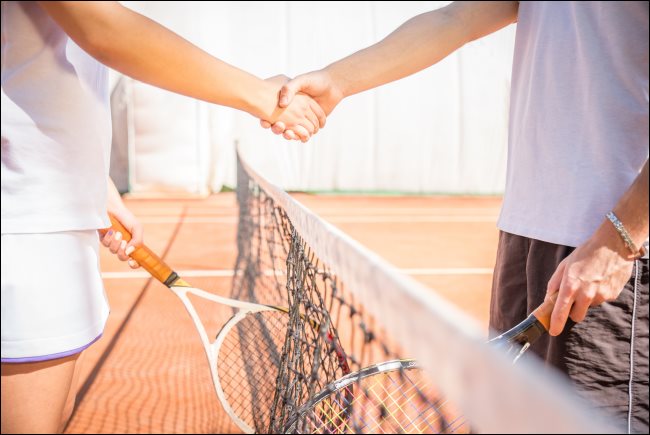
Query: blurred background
pixel 443 130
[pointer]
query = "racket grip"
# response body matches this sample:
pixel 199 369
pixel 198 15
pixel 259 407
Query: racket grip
pixel 544 311
pixel 145 256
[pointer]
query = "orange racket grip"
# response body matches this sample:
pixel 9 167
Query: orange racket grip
pixel 544 311
pixel 146 257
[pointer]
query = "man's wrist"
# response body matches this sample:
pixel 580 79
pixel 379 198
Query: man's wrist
pixel 631 250
pixel 339 86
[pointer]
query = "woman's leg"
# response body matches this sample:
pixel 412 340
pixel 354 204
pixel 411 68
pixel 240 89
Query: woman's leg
pixel 34 395
pixel 68 407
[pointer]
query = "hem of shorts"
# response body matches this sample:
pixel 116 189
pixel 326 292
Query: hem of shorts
pixel 51 356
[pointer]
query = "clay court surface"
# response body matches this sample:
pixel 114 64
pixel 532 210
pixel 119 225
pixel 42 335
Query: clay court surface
pixel 149 374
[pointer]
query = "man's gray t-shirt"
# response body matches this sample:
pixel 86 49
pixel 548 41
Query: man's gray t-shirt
pixel 578 117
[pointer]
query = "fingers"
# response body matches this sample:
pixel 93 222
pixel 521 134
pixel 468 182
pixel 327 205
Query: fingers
pixel 319 112
pixel 561 310
pixel 302 133
pixel 563 303
pixel 313 119
pixel 278 127
pixel 115 242
pixel 580 307
pixel 290 135
pixel 289 91
pixel 136 240
pixel 137 231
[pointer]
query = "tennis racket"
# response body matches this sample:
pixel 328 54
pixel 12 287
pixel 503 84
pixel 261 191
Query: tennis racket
pixel 396 397
pixel 245 386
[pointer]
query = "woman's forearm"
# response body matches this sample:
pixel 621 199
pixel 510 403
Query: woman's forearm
pixel 143 49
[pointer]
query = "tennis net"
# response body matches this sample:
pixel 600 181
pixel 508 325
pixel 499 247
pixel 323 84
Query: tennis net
pixel 363 348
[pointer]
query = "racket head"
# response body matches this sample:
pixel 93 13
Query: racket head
pixel 390 397
pixel 248 351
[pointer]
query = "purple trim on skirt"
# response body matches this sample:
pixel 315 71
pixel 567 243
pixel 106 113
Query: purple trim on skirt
pixel 50 356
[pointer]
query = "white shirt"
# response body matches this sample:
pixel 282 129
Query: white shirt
pixel 56 127
pixel 578 117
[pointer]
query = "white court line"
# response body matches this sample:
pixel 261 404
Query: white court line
pixel 227 273
pixel 333 219
pixel 409 219
pixel 397 210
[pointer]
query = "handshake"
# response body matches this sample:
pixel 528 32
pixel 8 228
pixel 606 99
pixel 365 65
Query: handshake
pixel 303 104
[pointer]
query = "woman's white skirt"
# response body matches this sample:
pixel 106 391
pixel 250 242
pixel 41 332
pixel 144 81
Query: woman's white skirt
pixel 53 299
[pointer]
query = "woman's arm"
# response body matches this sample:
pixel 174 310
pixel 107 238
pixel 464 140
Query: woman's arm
pixel 143 49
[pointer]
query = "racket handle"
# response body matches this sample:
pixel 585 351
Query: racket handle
pixel 544 311
pixel 145 256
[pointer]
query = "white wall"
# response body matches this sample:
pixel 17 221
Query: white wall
pixel 441 130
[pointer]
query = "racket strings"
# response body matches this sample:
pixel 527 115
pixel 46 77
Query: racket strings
pixel 383 403
pixel 248 361
pixel 328 334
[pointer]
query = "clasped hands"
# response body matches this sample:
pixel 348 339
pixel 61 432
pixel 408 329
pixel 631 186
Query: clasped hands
pixel 303 104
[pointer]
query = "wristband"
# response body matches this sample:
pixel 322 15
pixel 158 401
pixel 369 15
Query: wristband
pixel 625 236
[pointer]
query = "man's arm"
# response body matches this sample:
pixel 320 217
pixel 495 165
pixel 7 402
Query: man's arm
pixel 598 270
pixel 417 44
pixel 143 49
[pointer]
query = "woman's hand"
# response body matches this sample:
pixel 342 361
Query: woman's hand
pixel 114 240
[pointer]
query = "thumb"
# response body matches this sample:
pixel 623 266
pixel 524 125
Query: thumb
pixel 137 233
pixel 131 224
pixel 290 89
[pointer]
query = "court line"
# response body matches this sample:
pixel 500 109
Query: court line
pixel 115 337
pixel 228 273
pixel 334 219
pixel 343 210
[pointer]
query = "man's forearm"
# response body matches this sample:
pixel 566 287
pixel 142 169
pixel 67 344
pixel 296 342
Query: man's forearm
pixel 419 43
pixel 141 48
pixel 632 212
pixel 632 208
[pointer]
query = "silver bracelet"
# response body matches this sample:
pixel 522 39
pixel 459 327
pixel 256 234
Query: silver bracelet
pixel 625 235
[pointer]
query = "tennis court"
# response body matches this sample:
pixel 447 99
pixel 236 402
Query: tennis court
pixel 338 281
pixel 343 341
pixel 149 374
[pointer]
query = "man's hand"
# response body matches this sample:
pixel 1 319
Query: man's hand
pixel 319 85
pixel 598 270
pixel 595 272
pixel 289 121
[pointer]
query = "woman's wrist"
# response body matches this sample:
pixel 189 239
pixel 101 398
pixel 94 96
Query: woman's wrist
pixel 262 101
